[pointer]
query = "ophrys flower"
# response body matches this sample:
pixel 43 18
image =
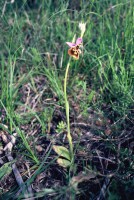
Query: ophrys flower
pixel 75 51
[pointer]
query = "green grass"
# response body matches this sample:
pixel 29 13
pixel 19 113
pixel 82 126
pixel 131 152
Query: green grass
pixel 33 59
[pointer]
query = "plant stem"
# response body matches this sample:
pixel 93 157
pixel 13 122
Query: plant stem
pixel 67 112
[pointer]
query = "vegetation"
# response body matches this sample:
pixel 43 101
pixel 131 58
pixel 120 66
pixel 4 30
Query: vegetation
pixel 37 106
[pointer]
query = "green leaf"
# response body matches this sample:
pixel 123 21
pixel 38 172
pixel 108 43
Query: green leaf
pixel 62 151
pixel 5 170
pixel 64 163
pixel 35 55
pixel 90 96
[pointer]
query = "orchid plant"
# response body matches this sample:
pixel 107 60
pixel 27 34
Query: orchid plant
pixel 67 159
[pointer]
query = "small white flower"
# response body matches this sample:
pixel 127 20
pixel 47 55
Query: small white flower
pixel 82 27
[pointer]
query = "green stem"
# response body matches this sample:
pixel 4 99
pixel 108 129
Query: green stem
pixel 67 111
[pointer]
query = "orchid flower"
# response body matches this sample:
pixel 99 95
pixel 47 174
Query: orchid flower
pixel 74 51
